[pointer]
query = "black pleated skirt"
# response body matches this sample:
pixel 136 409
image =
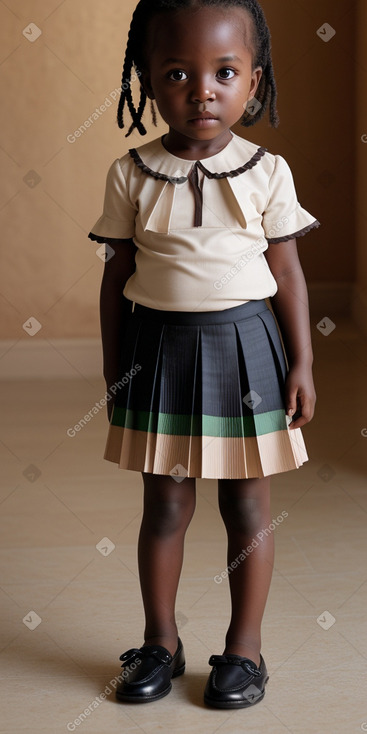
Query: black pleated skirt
pixel 201 394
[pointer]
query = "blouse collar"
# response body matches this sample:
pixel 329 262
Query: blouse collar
pixel 168 167
pixel 155 161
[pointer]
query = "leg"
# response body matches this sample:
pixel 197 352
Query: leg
pixel 245 508
pixel 168 509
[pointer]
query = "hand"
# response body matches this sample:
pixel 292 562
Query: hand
pixel 300 395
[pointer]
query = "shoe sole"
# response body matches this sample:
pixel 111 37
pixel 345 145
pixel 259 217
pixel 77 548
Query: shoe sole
pixel 148 699
pixel 235 704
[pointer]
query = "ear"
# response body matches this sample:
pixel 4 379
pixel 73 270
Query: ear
pixel 255 81
pixel 145 81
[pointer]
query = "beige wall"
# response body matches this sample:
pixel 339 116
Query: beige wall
pixel 49 87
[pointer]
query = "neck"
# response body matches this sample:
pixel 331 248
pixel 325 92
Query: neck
pixel 183 147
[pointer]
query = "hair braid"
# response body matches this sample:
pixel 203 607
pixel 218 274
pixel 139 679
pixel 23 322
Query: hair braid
pixel 266 93
pixel 126 92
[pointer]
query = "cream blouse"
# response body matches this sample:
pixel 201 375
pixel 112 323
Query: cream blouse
pixel 201 227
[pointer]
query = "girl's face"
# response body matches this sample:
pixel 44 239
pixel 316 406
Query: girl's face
pixel 196 57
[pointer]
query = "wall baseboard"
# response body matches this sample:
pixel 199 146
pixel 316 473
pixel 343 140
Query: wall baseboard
pixel 32 358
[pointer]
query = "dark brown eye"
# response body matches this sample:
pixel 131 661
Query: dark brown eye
pixel 226 74
pixel 178 75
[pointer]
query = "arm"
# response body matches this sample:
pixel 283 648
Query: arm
pixel 291 308
pixel 114 307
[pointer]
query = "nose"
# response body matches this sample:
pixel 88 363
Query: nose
pixel 204 97
pixel 201 93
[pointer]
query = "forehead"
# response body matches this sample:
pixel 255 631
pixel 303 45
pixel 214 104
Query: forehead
pixel 201 30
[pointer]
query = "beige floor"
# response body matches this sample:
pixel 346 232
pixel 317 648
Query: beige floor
pixel 59 499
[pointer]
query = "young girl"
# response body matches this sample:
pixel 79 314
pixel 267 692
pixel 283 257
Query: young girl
pixel 200 227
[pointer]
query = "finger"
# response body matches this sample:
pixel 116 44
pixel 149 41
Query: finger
pixel 298 423
pixel 291 400
pixel 303 414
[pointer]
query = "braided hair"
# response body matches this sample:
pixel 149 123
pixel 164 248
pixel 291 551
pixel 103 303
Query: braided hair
pixel 134 57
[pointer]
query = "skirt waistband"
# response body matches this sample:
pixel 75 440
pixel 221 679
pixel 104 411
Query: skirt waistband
pixel 227 315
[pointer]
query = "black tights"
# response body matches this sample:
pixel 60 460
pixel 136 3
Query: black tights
pixel 244 505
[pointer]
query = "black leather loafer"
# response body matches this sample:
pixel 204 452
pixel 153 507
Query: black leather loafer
pixel 235 682
pixel 148 673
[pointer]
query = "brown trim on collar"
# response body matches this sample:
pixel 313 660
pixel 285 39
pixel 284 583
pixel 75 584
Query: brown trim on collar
pixel 193 178
pixel 300 233
pixel 237 171
pixel 182 179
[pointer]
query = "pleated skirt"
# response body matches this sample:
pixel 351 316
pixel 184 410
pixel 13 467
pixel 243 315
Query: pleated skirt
pixel 201 394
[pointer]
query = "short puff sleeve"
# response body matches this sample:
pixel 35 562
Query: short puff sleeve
pixel 284 218
pixel 118 218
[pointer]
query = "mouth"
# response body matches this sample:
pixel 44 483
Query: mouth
pixel 203 120
pixel 203 116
